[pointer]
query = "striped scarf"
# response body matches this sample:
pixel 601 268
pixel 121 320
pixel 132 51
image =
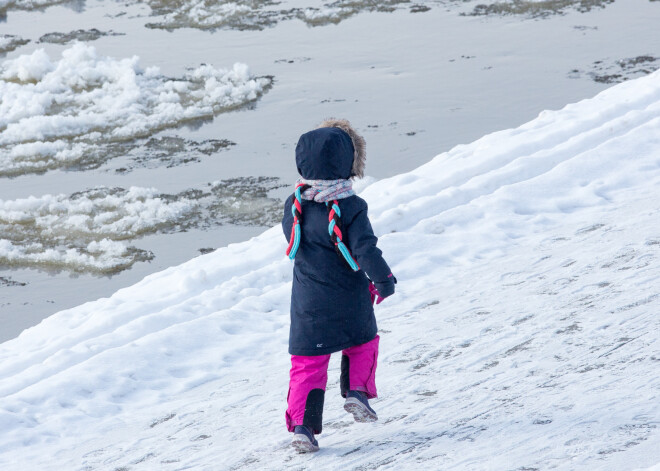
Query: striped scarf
pixel 322 191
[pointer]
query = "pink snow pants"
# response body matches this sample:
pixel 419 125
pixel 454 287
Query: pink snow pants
pixel 309 376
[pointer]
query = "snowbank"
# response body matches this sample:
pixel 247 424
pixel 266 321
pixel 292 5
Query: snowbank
pixel 76 110
pixel 523 334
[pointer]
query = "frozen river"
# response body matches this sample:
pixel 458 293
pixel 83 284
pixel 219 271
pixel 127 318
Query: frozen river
pixel 102 182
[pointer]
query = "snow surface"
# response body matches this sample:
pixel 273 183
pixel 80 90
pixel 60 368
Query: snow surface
pixel 72 111
pixel 523 334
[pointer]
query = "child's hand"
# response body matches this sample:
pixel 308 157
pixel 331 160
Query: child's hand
pixel 381 290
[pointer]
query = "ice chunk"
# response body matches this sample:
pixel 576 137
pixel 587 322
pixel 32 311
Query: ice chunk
pixel 90 231
pixel 77 111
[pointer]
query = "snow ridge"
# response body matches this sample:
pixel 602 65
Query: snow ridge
pixel 523 334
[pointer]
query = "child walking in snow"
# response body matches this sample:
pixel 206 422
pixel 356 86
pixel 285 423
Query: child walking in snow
pixel 337 273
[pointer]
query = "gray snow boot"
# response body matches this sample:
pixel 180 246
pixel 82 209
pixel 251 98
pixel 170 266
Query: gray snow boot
pixel 303 440
pixel 358 405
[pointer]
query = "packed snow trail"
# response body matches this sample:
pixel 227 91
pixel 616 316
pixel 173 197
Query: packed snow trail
pixel 523 334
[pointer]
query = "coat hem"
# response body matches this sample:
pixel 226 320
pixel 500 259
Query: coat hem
pixel 310 352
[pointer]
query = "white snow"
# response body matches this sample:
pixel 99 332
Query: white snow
pixel 57 113
pixel 523 334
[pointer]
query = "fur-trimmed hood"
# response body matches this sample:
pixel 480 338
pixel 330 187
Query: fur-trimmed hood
pixel 332 151
pixel 325 154
pixel 359 144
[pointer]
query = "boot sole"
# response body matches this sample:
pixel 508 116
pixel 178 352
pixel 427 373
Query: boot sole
pixel 360 412
pixel 302 444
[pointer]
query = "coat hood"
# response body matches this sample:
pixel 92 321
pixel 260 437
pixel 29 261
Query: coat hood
pixel 332 151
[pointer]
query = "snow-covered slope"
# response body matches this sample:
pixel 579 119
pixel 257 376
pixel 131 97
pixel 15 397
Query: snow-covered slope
pixel 524 333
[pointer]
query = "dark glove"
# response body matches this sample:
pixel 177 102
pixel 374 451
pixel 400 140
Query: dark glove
pixel 383 289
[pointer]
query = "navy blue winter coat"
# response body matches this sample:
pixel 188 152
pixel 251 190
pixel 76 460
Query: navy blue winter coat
pixel 331 306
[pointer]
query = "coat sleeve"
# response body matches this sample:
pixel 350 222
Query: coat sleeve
pixel 362 243
pixel 287 218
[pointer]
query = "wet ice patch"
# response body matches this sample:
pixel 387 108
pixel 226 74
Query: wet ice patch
pixel 208 14
pixel 8 281
pixel 605 71
pixel 260 14
pixel 322 16
pixel 293 60
pixel 90 231
pixel 79 110
pixel 10 42
pixel 82 35
pixel 248 15
pixel 170 151
pixel 244 201
pixel 28 4
pixel 335 12
pixel 536 8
